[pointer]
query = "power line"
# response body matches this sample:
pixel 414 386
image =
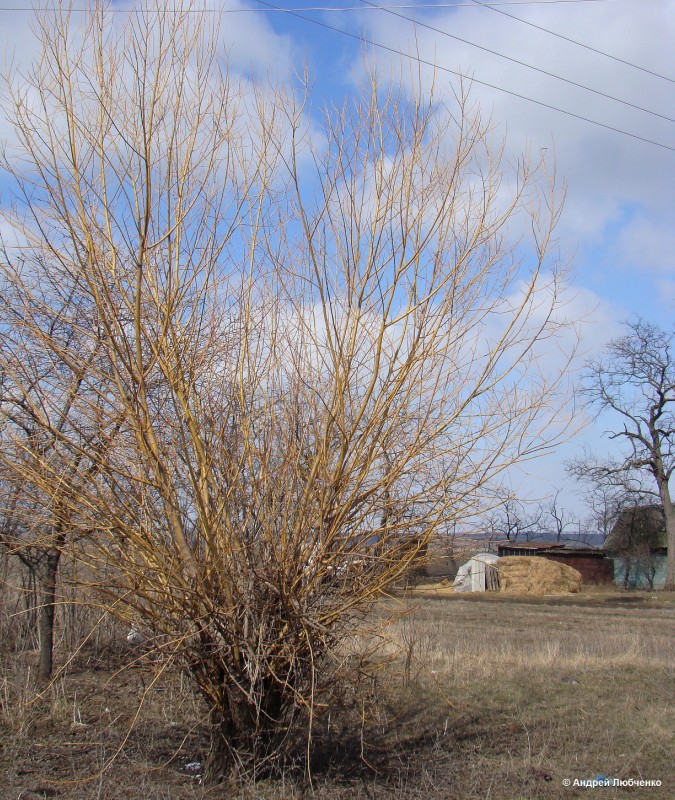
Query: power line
pixel 373 43
pixel 492 7
pixel 276 9
pixel 386 7
pixel 519 62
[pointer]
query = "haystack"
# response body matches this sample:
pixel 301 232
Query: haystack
pixel 533 575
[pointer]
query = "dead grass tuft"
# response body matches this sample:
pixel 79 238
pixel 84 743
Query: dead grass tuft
pixel 470 699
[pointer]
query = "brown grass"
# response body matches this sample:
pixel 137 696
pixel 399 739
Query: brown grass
pixel 494 697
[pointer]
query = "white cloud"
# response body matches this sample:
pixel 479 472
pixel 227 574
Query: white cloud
pixel 667 290
pixel 606 172
pixel 248 44
pixel 648 244
pixel 251 43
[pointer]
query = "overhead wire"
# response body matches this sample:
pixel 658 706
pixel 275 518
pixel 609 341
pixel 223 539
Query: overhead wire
pixel 383 6
pixel 433 28
pixel 245 10
pixel 474 3
pixel 373 43
pixel 492 7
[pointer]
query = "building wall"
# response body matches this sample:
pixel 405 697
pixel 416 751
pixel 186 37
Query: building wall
pixel 639 572
pixel 593 570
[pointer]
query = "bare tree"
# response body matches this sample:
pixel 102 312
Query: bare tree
pixel 315 343
pixel 25 536
pixel 559 519
pixel 514 520
pixel 635 383
pixel 46 439
pixel 607 489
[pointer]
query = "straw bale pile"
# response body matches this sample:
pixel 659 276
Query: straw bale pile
pixel 534 575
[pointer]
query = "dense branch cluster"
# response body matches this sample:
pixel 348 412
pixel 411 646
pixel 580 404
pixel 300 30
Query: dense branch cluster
pixel 252 360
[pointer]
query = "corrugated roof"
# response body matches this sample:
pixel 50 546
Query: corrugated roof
pixel 561 548
pixel 548 545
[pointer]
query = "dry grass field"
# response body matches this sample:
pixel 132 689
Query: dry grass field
pixel 466 697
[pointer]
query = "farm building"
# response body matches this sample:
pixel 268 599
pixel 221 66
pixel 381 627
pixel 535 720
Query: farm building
pixel 486 572
pixel 637 546
pixel 479 574
pixel 594 565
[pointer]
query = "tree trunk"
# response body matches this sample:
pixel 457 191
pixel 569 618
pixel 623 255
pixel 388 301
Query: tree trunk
pixel 221 764
pixel 47 614
pixel 242 737
pixel 669 515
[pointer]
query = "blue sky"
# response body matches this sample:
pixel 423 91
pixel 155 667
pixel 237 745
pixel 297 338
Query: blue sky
pixel 620 209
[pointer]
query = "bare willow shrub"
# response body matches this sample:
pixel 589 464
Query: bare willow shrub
pixel 301 343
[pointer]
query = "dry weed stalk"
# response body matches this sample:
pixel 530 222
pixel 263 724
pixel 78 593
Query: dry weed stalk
pixel 295 353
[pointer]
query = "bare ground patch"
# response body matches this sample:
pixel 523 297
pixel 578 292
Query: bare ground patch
pixel 466 699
